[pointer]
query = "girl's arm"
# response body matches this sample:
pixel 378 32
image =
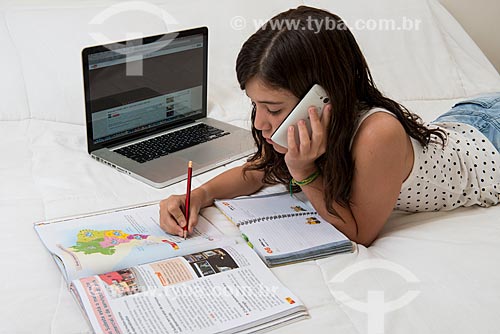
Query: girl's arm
pixel 231 183
pixel 383 158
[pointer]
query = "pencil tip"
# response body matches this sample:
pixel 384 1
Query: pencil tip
pixel 190 164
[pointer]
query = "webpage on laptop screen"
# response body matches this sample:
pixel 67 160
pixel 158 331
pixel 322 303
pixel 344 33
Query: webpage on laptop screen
pixel 144 86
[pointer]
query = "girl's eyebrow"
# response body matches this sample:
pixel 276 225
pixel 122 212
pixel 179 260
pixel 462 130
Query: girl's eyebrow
pixel 270 102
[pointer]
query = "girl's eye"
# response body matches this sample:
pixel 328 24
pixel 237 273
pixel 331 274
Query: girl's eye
pixel 273 111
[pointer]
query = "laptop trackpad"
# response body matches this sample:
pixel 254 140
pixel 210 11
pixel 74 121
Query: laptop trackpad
pixel 207 156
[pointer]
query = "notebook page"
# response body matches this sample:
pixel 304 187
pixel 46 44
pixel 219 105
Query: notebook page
pixel 250 208
pixel 291 234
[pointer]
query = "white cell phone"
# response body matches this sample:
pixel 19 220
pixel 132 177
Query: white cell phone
pixel 315 97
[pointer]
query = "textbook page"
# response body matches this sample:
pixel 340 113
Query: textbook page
pixel 220 290
pixel 99 243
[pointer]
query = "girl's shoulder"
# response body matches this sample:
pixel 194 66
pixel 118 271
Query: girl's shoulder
pixel 381 140
pixel 376 124
pixel 365 113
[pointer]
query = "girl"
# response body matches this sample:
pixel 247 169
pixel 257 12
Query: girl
pixel 367 154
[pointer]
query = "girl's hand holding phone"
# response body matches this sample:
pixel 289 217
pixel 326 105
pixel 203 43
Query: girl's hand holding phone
pixel 301 155
pixel 315 97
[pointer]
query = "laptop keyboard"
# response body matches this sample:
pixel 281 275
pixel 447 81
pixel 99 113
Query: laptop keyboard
pixel 171 142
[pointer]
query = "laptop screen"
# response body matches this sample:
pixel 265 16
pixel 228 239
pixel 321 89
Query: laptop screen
pixel 139 87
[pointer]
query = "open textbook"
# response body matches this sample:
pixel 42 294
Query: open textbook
pixel 131 277
pixel 96 243
pixel 284 229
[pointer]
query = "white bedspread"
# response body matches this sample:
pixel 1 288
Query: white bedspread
pixel 431 272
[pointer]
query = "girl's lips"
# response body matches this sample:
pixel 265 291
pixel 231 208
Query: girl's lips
pixel 269 140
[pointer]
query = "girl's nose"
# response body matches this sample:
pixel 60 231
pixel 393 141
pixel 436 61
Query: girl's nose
pixel 261 123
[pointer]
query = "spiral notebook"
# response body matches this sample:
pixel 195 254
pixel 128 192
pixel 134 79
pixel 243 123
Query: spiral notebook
pixel 284 229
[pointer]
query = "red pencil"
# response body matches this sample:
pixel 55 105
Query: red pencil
pixel 188 196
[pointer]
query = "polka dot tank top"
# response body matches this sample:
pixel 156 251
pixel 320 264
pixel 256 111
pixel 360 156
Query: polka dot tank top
pixel 465 172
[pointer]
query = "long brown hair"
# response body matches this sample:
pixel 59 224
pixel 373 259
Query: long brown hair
pixel 290 52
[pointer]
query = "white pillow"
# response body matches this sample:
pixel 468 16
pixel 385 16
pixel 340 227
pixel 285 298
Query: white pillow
pixel 49 41
pixel 13 101
pixel 433 60
pixel 426 56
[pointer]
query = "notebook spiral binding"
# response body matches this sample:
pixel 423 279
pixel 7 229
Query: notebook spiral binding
pixel 278 216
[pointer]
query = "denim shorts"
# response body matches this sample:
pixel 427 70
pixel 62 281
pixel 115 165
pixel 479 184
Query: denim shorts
pixel 482 112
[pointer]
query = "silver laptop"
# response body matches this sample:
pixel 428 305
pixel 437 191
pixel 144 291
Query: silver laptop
pixel 146 108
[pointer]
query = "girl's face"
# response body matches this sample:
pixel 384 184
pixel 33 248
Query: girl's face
pixel 271 108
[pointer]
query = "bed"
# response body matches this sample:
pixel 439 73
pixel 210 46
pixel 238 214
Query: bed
pixel 426 273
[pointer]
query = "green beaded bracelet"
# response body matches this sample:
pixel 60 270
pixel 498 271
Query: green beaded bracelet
pixel 308 180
